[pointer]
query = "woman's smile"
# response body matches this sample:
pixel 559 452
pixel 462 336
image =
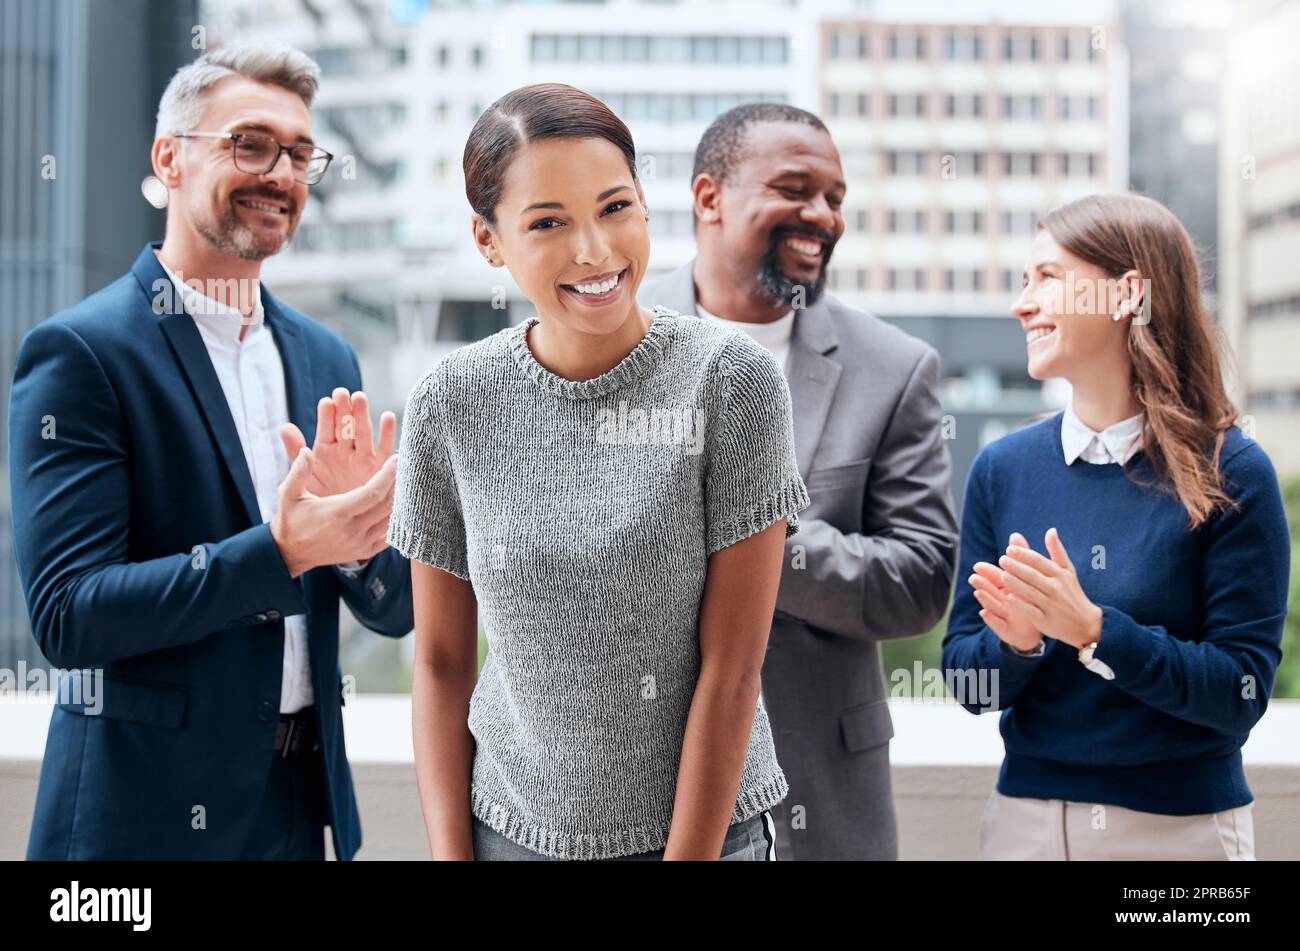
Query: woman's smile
pixel 599 290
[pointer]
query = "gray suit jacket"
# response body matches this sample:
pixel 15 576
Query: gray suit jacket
pixel 874 558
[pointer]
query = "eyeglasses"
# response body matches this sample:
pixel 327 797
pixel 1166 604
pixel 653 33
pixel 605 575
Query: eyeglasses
pixel 257 154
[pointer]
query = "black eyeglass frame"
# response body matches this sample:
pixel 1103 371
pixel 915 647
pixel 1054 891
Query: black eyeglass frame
pixel 315 153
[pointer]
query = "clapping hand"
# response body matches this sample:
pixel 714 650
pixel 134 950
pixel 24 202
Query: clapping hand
pixel 1046 593
pixel 334 504
pixel 344 455
pixel 999 609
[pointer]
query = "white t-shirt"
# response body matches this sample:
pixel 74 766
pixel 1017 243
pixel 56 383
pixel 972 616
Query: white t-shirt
pixel 774 335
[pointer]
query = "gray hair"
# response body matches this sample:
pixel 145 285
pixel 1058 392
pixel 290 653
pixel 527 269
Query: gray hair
pixel 181 107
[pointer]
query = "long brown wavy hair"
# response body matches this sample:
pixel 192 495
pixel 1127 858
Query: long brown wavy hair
pixel 1176 353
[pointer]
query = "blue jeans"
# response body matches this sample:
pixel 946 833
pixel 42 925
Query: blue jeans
pixel 753 840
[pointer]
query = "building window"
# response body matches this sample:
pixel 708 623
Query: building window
pixel 906 163
pixel 963 221
pixel 1019 222
pixel 909 221
pixel 680 107
pixel 907 104
pixel 963 45
pixel 849 44
pixel 957 164
pixel 905 279
pixel 1024 106
pixel 1020 46
pixel 963 105
pixel 845 104
pixel 1020 163
pixel 906 45
pixel 963 280
pixel 1078 164
pixel 1076 47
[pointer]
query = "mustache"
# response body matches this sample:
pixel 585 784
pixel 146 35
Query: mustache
pixel 811 231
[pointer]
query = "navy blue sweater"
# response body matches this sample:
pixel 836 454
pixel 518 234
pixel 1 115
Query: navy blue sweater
pixel 1192 626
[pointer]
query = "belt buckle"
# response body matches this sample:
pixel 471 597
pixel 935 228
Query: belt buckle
pixel 285 737
pixel 294 731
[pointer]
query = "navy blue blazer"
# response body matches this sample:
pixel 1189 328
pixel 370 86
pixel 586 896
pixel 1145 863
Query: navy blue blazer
pixel 143 555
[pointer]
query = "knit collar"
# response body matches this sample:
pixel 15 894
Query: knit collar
pixel 640 361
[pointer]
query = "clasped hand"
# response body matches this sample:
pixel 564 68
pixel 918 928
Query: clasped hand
pixel 1026 597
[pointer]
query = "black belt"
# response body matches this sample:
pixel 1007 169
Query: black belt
pixel 297 732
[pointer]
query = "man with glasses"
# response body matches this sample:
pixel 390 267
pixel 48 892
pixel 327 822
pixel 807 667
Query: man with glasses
pixel 181 550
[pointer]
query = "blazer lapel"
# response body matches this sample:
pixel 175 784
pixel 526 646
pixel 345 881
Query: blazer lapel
pixel 187 345
pixel 813 377
pixel 811 374
pixel 297 367
pixel 192 355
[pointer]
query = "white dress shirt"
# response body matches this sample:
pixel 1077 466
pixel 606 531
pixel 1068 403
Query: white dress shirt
pixel 252 377
pixel 774 335
pixel 1116 443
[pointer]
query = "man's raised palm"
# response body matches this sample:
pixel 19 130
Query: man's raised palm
pixel 344 454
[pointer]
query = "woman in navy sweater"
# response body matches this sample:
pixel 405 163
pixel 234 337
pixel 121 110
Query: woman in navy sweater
pixel 1134 650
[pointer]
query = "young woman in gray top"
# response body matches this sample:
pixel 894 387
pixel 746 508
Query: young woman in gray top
pixel 611 487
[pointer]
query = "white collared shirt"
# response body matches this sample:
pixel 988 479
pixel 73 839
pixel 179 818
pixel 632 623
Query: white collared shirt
pixel 1116 443
pixel 252 377
pixel 775 335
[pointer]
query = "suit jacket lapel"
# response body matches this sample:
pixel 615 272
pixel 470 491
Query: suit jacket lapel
pixel 187 346
pixel 813 377
pixel 297 367
pixel 811 374
pixel 192 355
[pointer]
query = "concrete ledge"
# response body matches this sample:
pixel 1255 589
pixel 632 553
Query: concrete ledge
pixel 944 765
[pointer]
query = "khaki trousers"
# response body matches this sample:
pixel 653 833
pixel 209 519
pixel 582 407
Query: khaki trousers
pixel 1015 827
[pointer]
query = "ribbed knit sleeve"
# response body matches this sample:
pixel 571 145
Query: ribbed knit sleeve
pixel 427 524
pixel 751 477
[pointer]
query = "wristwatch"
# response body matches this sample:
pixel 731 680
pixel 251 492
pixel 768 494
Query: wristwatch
pixel 1092 663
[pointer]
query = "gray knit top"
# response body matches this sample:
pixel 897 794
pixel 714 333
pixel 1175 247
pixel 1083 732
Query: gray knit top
pixel 584 513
